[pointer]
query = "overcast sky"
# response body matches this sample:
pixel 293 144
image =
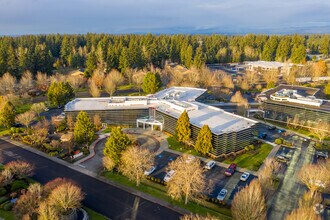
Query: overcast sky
pixel 164 16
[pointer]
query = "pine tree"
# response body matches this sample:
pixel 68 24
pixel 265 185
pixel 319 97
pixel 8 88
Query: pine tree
pixel 116 143
pixel 7 115
pixel 203 143
pixel 182 130
pixel 59 93
pixel 84 129
pixel 151 83
pixel 283 50
pixel 124 60
pixel 298 54
pixel 199 59
pixel 91 64
pixel 270 47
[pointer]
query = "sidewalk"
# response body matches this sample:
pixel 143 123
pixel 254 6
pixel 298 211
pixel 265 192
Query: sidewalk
pixel 100 178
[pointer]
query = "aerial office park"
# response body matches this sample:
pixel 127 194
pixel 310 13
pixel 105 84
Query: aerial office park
pixel 230 132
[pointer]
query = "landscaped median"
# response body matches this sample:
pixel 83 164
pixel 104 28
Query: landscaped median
pixel 158 190
pixel 251 159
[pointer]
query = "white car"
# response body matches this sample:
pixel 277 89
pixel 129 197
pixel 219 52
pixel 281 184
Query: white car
pixel 46 109
pixel 222 195
pixel 169 175
pixel 150 171
pixel 209 165
pixel 245 176
pixel 190 159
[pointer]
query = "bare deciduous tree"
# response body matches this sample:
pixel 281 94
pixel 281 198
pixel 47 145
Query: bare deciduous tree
pixel 75 81
pixel 94 90
pixel 188 181
pixel 65 198
pixel 38 107
pixel 47 212
pixel 6 177
pixel 98 77
pixel 315 176
pixel 303 213
pixel 70 122
pixel 97 122
pixel 8 83
pixel 20 169
pixel 134 162
pixel 138 79
pixel 320 129
pixel 109 85
pixel 26 81
pixel 117 77
pixel 266 175
pixel 227 81
pixel 249 203
pixel 108 163
pixel 42 81
pixel 26 118
pixel 310 199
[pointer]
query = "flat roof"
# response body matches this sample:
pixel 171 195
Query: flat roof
pixel 301 90
pixel 172 101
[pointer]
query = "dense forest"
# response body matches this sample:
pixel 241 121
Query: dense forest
pixel 44 53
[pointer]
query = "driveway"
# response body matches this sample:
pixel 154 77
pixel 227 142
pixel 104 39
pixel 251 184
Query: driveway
pixel 290 190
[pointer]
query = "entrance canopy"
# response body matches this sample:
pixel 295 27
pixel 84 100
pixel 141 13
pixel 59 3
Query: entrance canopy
pixel 149 121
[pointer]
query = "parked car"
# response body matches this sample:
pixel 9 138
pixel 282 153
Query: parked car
pixel 282 158
pixel 245 176
pixel 190 159
pixel 231 169
pixel 262 135
pixel 150 171
pixel 222 195
pixel 209 165
pixel 280 131
pixel 17 125
pixel 322 155
pixel 271 127
pixel 46 109
pixel 169 175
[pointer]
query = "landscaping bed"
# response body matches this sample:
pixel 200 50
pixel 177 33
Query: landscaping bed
pixel 252 159
pixel 173 144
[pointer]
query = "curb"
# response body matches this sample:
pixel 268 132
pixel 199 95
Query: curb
pixel 100 178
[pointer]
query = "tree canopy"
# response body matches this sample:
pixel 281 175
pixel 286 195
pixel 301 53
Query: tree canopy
pixel 116 143
pixel 151 83
pixel 182 130
pixel 7 114
pixel 59 93
pixel 84 129
pixel 203 143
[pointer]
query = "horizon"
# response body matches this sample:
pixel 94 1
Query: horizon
pixel 237 17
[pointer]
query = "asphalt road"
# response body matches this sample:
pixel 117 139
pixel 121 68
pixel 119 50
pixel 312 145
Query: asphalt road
pixel 108 200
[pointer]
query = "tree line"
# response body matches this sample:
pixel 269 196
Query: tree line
pixel 45 53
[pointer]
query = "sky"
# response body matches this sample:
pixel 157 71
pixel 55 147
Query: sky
pixel 19 17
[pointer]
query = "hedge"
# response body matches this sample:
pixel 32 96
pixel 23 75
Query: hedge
pixel 18 184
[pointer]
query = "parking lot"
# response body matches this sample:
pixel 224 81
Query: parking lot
pixel 215 178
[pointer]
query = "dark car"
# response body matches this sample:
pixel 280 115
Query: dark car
pixel 262 135
pixel 271 127
pixel 17 125
pixel 231 169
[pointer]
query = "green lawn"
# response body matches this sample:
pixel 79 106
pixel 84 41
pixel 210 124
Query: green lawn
pixel 252 160
pixel 177 146
pixel 7 215
pixel 23 108
pixel 94 215
pixel 4 131
pixel 159 191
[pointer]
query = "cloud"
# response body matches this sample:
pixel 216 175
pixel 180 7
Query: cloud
pixel 162 16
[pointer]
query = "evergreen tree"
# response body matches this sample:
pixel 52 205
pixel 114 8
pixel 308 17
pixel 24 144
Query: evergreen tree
pixel 283 50
pixel 199 59
pixel 182 130
pixel 7 115
pixel 269 50
pixel 124 60
pixel 151 83
pixel 203 143
pixel 59 93
pixel 116 143
pixel 325 45
pixel 84 129
pixel 91 64
pixel 298 54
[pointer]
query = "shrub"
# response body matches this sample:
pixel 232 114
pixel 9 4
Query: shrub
pixel 53 153
pixel 278 141
pixel 3 191
pixel 18 184
pixel 3 199
pixel 251 147
pixel 8 206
